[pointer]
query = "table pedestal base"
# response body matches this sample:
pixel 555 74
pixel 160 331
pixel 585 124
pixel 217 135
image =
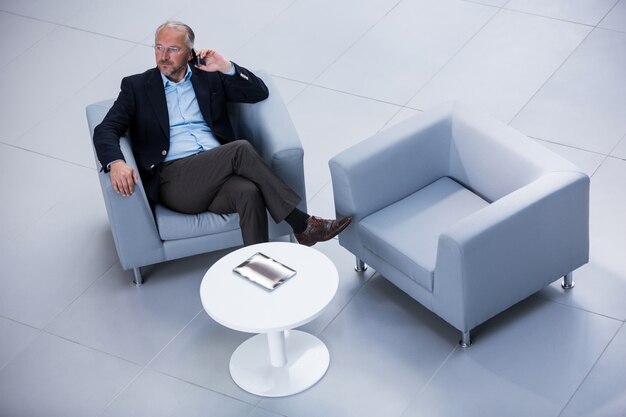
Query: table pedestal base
pixel 307 361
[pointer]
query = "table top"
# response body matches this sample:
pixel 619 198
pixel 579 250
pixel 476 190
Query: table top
pixel 240 304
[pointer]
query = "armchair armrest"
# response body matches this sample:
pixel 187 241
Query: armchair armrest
pixel 132 222
pixel 512 248
pixel 391 165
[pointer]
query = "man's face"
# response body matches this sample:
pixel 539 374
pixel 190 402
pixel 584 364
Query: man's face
pixel 171 53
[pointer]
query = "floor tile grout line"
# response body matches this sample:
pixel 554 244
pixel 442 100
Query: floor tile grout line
pixel 452 57
pixel 76 164
pixel 156 355
pixel 623 139
pixel 26 50
pixel 551 76
pixel 147 366
pixel 26 346
pixel 609 155
pixel 18 138
pixel 306 84
pixel 619 158
pixel 610 10
pixel 604 156
pixel 358 38
pixel 94 349
pixel 144 368
pixel 121 391
pixel 262 29
pixel 66 26
pixel 348 93
pixel 591 369
pixel 107 354
pixel 595 313
pixel 386 124
pixel 552 17
pixel 319 191
pixel 605 16
pixel 52 319
pixel 312 82
pixel 400 105
pixel 38 19
pixel 430 379
pixel 185 381
pixel 258 407
pixel 291 100
pixel 555 142
pixel 19 322
pixel 616 145
pixel 482 4
pixel 357 292
pixel 31 225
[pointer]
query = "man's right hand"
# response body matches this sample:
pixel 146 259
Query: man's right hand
pixel 123 178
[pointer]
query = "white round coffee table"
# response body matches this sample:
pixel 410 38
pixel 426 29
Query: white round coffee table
pixel 278 361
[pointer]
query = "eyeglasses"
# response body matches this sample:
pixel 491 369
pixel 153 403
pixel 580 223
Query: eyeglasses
pixel 172 50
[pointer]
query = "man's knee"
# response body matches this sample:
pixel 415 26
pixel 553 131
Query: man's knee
pixel 242 144
pixel 248 194
pixel 244 149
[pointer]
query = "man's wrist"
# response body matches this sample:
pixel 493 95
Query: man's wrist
pixel 231 71
pixel 112 162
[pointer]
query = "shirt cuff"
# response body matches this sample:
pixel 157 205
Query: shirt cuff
pixel 232 71
pixel 109 164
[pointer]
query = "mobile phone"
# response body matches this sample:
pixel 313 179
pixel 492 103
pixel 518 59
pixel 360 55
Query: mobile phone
pixel 195 58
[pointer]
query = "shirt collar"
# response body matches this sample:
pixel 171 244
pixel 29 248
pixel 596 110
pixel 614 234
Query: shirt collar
pixel 167 83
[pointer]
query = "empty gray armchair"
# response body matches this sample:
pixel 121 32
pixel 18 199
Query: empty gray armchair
pixel 144 236
pixel 463 213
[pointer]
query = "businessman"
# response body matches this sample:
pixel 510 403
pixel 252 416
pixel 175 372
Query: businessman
pixel 185 147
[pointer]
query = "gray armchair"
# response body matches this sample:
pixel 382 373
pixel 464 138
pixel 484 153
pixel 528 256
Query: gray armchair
pixel 462 213
pixel 143 236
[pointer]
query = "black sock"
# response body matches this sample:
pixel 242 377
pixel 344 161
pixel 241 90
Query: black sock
pixel 297 220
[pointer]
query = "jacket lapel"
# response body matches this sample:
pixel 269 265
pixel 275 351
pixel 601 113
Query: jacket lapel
pixel 203 94
pixel 156 95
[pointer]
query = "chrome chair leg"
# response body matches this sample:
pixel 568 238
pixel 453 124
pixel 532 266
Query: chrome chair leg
pixel 360 266
pixel 568 281
pixel 465 341
pixel 138 279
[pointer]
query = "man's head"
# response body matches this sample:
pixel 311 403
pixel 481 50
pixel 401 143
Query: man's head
pixel 173 42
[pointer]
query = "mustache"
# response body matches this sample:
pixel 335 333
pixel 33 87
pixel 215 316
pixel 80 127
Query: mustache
pixel 165 61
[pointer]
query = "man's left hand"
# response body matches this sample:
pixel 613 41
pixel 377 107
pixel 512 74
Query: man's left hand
pixel 213 61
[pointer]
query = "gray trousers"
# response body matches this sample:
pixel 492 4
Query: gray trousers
pixel 231 178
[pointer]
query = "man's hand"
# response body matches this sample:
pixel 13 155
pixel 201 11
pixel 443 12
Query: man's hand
pixel 123 178
pixel 213 61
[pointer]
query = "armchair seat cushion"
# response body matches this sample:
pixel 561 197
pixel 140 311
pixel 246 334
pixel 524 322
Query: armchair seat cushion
pixel 405 234
pixel 173 225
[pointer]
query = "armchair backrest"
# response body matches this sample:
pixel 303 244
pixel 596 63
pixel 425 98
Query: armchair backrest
pixel 268 126
pixel 493 160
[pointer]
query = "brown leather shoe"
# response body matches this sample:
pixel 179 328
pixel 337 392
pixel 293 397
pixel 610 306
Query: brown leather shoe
pixel 320 230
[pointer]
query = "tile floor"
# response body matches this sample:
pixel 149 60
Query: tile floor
pixel 76 339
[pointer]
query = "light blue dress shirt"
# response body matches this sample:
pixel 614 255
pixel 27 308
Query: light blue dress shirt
pixel 189 133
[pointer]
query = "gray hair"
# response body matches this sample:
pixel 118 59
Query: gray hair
pixel 190 37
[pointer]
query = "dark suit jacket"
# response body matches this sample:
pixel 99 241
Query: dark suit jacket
pixel 141 110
